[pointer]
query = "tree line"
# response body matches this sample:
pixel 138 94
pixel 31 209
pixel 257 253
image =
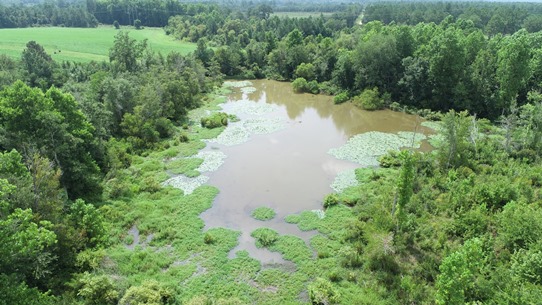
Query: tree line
pixel 493 18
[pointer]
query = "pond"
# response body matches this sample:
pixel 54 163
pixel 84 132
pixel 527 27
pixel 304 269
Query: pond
pixel 278 156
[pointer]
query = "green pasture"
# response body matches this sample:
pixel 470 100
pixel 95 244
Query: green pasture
pixel 84 44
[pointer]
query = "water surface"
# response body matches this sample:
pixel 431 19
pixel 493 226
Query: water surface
pixel 289 170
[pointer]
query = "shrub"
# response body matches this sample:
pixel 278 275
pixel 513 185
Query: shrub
pixel 300 85
pixel 96 290
pixel 218 119
pixel 312 87
pixel 265 237
pixel 150 292
pixel 369 99
pixel 321 291
pixel 183 137
pixel 306 71
pixel 341 98
pixel 164 127
pixel 331 200
pixel 209 238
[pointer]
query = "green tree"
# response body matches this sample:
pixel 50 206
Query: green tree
pixel 137 24
pixel 38 65
pixel 369 99
pixel 405 185
pixel 25 245
pixel 455 149
pixel 512 68
pixel 306 71
pixel 54 124
pixel 126 53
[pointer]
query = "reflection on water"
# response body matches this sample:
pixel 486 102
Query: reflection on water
pixel 288 170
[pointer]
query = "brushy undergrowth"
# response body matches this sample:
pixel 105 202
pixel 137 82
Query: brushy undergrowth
pixel 263 213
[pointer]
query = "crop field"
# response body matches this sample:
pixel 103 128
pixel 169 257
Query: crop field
pixel 84 44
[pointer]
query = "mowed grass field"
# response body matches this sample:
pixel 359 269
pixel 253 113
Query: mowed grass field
pixel 84 44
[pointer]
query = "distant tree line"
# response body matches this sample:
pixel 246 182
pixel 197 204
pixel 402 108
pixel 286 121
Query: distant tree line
pixel 492 17
pixel 46 14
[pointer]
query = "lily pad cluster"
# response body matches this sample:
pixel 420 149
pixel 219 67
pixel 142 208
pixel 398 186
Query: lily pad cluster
pixel 240 132
pixel 344 180
pixel 237 84
pixel 365 148
pixel 186 184
pixel 247 107
pixel 212 160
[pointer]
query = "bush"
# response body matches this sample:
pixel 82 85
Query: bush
pixel 96 290
pixel 209 238
pixel 341 98
pixel 150 292
pixel 369 99
pixel 215 120
pixel 331 200
pixel 321 291
pixel 164 127
pixel 265 237
pixel 300 85
pixel 312 87
pixel 306 71
pixel 183 137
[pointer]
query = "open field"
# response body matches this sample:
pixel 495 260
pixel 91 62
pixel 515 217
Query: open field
pixel 84 44
pixel 301 14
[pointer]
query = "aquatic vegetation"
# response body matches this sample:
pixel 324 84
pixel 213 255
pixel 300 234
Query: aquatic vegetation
pixel 263 213
pixel 186 184
pixel 232 135
pixel 248 90
pixel 212 160
pixel 215 120
pixel 240 132
pixel 344 180
pixel 249 108
pixel 236 84
pixel 365 148
pixel 436 126
pixel 265 237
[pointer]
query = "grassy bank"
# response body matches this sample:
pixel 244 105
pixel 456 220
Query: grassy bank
pixel 84 44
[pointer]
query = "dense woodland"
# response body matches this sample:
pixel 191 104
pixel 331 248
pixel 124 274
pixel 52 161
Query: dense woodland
pixel 460 225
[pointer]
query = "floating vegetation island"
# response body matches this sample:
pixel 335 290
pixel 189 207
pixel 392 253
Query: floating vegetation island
pixel 263 213
pixel 344 180
pixel 365 148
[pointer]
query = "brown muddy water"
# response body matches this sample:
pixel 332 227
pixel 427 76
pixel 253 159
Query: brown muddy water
pixel 289 170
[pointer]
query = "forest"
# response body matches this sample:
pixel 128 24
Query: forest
pixel 84 148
